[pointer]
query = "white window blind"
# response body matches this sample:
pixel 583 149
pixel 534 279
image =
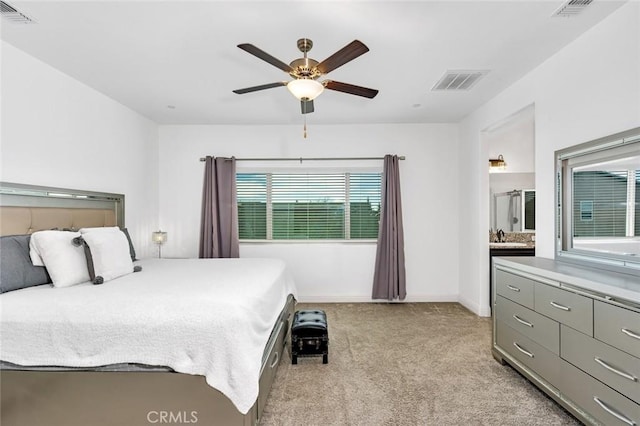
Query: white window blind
pixel 364 204
pixel 600 203
pixel 310 206
pixel 252 205
pixel 636 204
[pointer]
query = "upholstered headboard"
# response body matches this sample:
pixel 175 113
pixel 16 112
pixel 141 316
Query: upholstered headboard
pixel 26 208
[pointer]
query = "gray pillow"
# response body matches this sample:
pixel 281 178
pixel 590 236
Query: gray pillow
pixel 16 269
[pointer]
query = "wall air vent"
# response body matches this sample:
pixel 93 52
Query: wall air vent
pixel 456 80
pixel 13 15
pixel 572 8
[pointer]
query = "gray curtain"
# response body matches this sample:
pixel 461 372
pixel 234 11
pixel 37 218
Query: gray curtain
pixel 219 221
pixel 389 281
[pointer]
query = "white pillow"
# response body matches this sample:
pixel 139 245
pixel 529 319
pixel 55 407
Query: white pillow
pixel 36 259
pixel 34 254
pixel 99 229
pixel 66 263
pixel 108 256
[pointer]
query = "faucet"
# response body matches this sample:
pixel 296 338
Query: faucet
pixel 500 235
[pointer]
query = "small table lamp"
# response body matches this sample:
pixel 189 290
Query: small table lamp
pixel 159 238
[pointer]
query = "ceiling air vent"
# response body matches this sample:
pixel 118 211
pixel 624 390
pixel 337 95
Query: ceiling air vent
pixel 13 15
pixel 459 80
pixel 572 8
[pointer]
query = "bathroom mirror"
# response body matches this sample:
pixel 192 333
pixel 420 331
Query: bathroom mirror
pixel 515 210
pixel 512 202
pixel 598 193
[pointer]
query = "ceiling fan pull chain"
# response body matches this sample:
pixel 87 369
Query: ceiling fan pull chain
pixel 305 127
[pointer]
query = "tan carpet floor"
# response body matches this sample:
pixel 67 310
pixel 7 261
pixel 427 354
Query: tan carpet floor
pixel 406 364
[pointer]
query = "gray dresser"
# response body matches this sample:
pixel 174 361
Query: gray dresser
pixel 574 332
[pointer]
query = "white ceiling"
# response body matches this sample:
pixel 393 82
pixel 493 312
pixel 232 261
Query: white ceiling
pixel 148 55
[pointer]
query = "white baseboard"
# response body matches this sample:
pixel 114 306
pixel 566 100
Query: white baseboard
pixel 368 299
pixel 472 306
pixel 481 311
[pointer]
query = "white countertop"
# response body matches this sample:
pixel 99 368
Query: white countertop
pixel 509 245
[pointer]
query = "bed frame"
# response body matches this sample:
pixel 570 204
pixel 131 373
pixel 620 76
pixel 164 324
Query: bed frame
pixel 83 397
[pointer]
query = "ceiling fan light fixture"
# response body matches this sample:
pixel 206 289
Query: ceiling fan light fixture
pixel 305 88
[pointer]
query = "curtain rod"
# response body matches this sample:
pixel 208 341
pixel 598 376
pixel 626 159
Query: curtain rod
pixel 301 159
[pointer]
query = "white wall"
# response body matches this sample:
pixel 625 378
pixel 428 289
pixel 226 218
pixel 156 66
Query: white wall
pixel 58 132
pixel 588 90
pixel 515 141
pixel 329 271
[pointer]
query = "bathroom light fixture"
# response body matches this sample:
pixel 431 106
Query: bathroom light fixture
pixel 496 164
pixel 159 238
pixel 305 88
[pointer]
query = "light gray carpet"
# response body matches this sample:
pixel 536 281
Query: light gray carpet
pixel 406 364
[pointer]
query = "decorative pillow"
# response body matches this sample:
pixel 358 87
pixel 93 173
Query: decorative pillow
pixel 99 229
pixel 36 259
pixel 66 263
pixel 16 269
pixel 107 254
pixel 132 250
pixel 33 252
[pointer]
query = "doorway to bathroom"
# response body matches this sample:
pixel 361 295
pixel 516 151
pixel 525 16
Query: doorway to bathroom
pixel 511 144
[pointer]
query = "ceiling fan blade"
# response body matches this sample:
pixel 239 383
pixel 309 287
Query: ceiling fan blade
pixel 350 89
pixel 261 87
pixel 306 106
pixel 250 48
pixel 342 56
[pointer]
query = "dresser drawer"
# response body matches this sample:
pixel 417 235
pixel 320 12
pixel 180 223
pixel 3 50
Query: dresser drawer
pixel 531 324
pixel 569 308
pixel 597 399
pixel 514 287
pixel 613 367
pixel 617 326
pixel 543 362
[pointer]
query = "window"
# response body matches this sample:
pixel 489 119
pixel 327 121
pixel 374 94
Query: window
pixel 637 203
pixel 586 211
pixel 310 206
pixel 602 200
pixel 598 200
pixel 529 209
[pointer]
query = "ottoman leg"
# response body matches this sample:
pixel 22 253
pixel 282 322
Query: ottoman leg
pixel 325 358
pixel 294 359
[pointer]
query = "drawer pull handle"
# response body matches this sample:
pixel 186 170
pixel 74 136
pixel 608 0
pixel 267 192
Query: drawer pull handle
pixel 524 351
pixel 521 321
pixel 559 306
pixel 510 287
pixel 631 333
pixel 275 361
pixel 615 370
pixel 613 412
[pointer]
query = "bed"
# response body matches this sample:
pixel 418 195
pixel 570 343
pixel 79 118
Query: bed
pixel 183 341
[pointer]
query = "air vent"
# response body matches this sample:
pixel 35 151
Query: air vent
pixel 12 14
pixel 459 80
pixel 572 8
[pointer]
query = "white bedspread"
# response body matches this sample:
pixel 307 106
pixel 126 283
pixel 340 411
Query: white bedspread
pixel 210 317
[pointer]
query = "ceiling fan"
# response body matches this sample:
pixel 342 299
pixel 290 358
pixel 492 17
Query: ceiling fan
pixel 306 72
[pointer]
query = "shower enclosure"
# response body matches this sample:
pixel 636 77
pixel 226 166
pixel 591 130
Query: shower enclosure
pixel 514 211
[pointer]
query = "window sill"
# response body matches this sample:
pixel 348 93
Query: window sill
pixel 363 241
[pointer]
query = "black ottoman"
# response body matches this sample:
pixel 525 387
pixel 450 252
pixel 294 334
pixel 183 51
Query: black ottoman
pixel 309 335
